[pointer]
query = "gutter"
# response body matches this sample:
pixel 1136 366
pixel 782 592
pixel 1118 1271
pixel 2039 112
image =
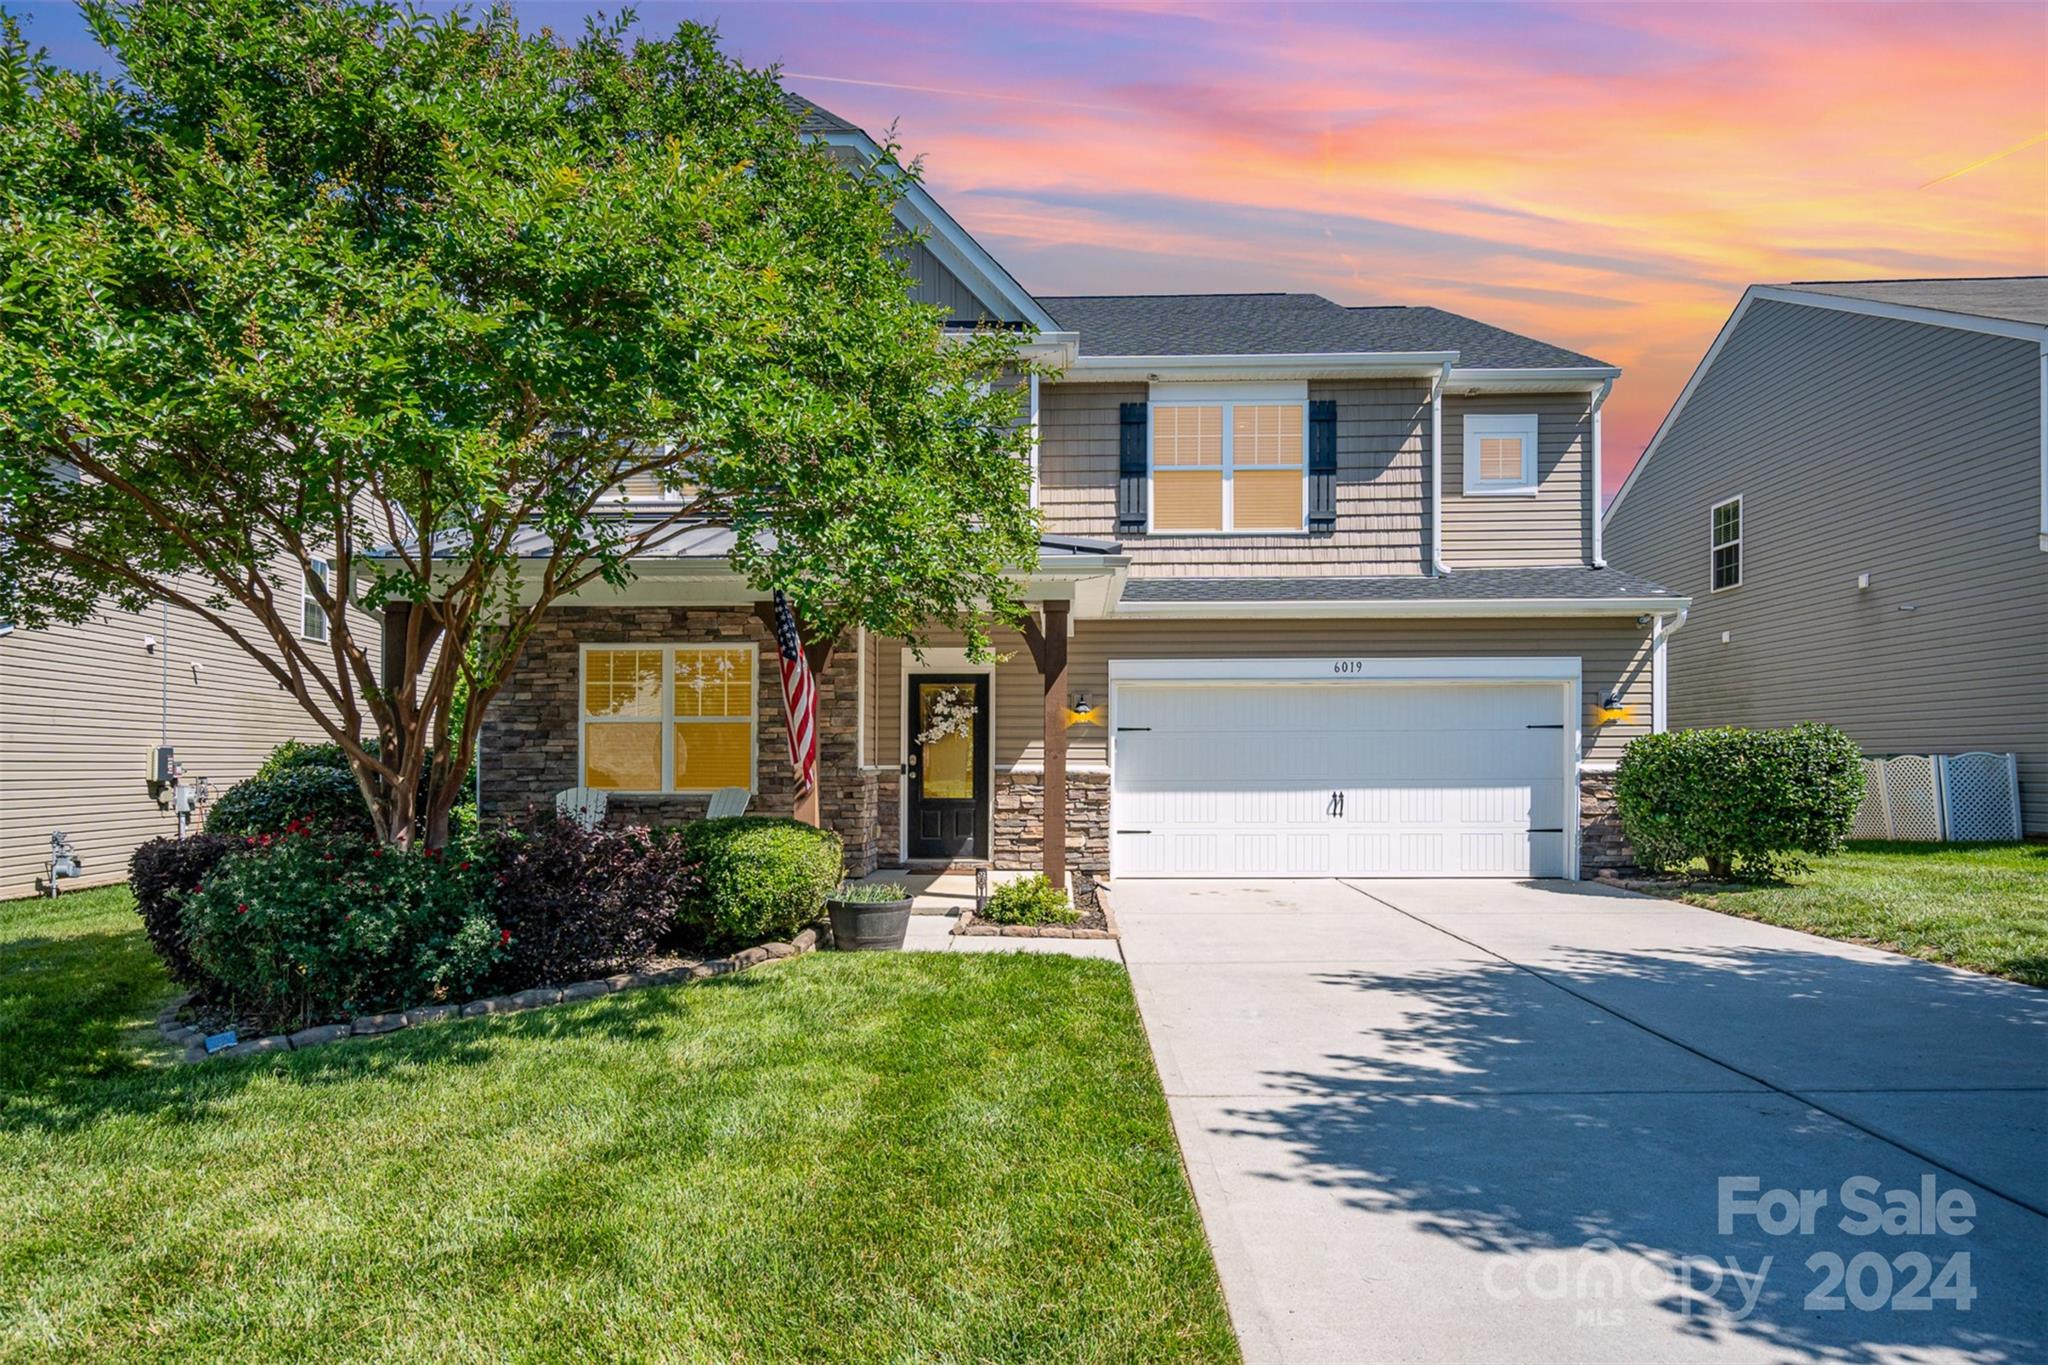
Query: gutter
pixel 1599 401
pixel 1437 568
pixel 1289 365
pixel 1368 609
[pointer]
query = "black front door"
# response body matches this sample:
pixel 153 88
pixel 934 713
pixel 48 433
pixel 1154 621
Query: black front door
pixel 948 729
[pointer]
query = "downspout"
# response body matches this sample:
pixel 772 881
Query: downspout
pixel 1436 471
pixel 1599 401
pixel 1659 705
pixel 1034 438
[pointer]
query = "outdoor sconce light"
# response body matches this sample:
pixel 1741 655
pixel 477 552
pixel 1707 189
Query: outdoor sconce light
pixel 1611 710
pixel 1082 712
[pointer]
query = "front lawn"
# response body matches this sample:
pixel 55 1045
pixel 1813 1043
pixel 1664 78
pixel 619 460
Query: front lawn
pixel 844 1157
pixel 1980 906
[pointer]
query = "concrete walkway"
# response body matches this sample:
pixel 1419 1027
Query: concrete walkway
pixel 1488 1121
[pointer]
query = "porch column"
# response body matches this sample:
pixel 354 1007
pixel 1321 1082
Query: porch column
pixel 1052 669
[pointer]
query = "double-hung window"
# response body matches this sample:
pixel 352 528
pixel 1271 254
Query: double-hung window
pixel 1228 466
pixel 312 620
pixel 1724 532
pixel 1500 454
pixel 668 718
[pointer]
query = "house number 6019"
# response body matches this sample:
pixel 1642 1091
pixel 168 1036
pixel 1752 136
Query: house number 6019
pixel 1348 666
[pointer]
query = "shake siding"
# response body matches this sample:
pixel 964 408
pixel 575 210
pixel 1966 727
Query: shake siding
pixel 1519 531
pixel 1613 654
pixel 82 706
pixel 1382 448
pixel 1859 445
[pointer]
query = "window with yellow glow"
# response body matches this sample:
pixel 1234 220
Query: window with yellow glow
pixel 1228 466
pixel 669 718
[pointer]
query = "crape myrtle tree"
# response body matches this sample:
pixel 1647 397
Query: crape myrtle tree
pixel 412 294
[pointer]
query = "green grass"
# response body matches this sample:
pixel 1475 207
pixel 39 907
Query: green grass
pixel 1980 906
pixel 844 1157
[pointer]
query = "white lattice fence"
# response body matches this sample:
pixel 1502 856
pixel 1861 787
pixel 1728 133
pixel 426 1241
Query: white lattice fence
pixel 1931 798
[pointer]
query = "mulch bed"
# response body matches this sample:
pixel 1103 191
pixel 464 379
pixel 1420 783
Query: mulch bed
pixel 1097 920
pixel 186 1023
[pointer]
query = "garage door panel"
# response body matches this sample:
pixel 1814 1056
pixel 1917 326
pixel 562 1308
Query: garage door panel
pixel 1237 779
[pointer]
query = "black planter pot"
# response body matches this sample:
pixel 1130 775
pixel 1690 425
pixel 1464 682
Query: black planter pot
pixel 869 926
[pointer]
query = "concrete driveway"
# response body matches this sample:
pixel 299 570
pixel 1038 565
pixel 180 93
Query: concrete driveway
pixel 1491 1121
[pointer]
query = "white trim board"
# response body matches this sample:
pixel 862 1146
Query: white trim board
pixel 1931 317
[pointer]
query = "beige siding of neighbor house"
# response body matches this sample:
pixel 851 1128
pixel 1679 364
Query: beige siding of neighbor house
pixel 1382 455
pixel 1859 445
pixel 1518 531
pixel 82 706
pixel 1614 655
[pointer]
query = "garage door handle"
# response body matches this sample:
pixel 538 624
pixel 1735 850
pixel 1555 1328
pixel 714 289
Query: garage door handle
pixel 1133 729
pixel 1336 803
pixel 1546 727
pixel 1134 831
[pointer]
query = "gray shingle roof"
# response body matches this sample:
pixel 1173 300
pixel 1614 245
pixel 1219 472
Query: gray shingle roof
pixel 817 119
pixel 1567 582
pixel 2015 298
pixel 1282 324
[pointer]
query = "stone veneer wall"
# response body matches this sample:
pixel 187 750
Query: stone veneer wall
pixel 1020 821
pixel 1602 845
pixel 529 739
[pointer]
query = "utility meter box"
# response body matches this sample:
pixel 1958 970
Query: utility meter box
pixel 162 761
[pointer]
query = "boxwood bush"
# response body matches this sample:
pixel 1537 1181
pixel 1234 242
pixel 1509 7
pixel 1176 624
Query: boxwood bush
pixel 1028 900
pixel 300 930
pixel 324 799
pixel 162 873
pixel 758 878
pixel 1758 797
pixel 576 904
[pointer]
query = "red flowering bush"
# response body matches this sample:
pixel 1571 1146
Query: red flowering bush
pixel 573 904
pixel 300 930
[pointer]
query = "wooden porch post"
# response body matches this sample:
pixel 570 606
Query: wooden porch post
pixel 1052 669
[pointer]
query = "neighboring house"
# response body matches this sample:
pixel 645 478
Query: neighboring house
pixel 83 707
pixel 1853 491
pixel 1320 593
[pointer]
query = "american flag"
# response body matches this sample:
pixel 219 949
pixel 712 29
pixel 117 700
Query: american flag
pixel 799 697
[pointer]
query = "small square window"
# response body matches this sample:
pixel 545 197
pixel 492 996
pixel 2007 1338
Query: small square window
pixel 312 620
pixel 1725 538
pixel 1500 454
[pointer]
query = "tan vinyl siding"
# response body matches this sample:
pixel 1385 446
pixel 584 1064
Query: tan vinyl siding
pixel 1614 654
pixel 1859 445
pixel 82 706
pixel 1382 451
pixel 1511 531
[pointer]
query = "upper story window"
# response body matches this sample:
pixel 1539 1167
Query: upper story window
pixel 1500 454
pixel 668 718
pixel 1725 537
pixel 1228 465
pixel 312 620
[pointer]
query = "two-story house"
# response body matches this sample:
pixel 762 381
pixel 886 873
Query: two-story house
pixel 1853 489
pixel 1320 593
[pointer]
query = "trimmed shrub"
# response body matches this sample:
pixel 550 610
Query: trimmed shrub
pixel 325 800
pixel 299 930
pixel 162 873
pixel 1028 900
pixel 580 903
pixel 294 754
pixel 1763 797
pixel 759 878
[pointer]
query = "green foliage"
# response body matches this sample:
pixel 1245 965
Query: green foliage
pixel 324 799
pixel 760 878
pixel 306 273
pixel 294 754
pixel 1028 900
pixel 1763 797
pixel 871 893
pixel 300 930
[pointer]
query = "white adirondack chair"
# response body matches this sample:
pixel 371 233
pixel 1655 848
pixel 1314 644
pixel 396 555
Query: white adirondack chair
pixel 727 801
pixel 584 805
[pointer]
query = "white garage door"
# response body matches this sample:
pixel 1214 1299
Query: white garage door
pixel 1346 779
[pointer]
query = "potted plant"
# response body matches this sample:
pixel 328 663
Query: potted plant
pixel 869 918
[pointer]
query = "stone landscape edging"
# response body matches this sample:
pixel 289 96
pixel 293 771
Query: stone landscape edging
pixel 967 925
pixel 191 1039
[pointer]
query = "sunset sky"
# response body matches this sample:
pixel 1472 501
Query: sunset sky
pixel 1606 177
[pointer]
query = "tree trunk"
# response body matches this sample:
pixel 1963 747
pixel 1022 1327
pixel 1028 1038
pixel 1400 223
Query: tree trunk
pixel 1721 866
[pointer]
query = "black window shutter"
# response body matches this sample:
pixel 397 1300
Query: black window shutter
pixel 1322 466
pixel 1130 471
